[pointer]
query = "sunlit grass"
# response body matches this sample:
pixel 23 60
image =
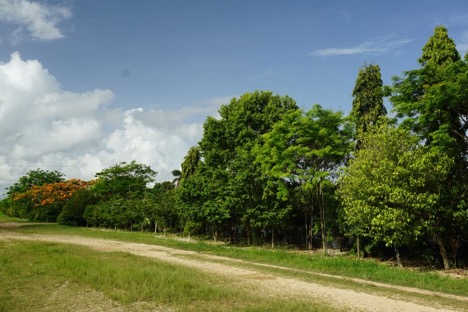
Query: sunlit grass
pixel 36 276
pixel 340 265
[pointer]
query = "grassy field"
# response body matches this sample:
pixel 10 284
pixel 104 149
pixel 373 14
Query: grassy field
pixel 121 282
pixel 53 277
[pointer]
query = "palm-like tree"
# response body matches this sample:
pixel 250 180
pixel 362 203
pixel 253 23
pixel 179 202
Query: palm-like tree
pixel 177 175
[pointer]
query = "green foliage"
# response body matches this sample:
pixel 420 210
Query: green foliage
pixel 190 163
pixel 123 179
pixel 391 187
pixel 432 101
pixel 304 151
pixel 227 181
pixel 73 211
pixel 36 177
pixel 440 50
pixel 368 105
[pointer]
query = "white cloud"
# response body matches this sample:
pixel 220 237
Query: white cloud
pixel 44 126
pixel 36 20
pixel 369 47
pixel 462 45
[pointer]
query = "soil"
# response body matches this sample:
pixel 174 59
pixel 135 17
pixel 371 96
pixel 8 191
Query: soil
pixel 348 299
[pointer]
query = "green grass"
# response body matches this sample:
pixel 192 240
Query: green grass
pixel 5 218
pixel 39 276
pixel 342 265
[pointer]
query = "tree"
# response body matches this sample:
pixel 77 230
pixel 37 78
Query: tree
pixel 177 177
pixel 36 177
pixel 123 179
pixel 73 212
pixel 305 150
pixel 20 203
pixel 48 199
pixel 368 105
pixel 440 50
pixel 227 179
pixel 433 102
pixel 190 164
pixel 390 189
pixel 161 206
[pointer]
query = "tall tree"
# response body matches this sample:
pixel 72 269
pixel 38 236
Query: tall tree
pixel 190 164
pixel 389 191
pixel 227 179
pixel 433 102
pixel 368 104
pixel 306 150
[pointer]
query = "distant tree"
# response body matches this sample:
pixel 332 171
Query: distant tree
pixel 36 177
pixel 19 201
pixel 123 179
pixel 48 199
pixel 368 104
pixel 190 164
pixel 74 209
pixel 177 177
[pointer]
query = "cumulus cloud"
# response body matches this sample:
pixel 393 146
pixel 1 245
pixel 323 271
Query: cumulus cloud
pixel 79 134
pixel 369 47
pixel 462 44
pixel 34 20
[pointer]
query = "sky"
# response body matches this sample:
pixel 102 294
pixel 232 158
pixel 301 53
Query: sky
pixel 86 84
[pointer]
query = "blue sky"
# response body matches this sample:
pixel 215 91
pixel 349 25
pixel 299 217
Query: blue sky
pixel 102 81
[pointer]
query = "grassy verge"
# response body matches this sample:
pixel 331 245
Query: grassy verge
pixel 54 277
pixel 342 265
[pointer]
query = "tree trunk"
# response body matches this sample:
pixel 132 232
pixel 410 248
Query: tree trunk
pixel 215 235
pixel 322 219
pixel 443 251
pixel 312 222
pixel 454 244
pixel 272 238
pixel 397 254
pixel 358 247
pixel 155 227
pixel 307 237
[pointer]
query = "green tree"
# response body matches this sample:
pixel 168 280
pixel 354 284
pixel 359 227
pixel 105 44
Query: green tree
pixel 190 164
pixel 390 189
pixel 432 102
pixel 440 50
pixel 161 203
pixel 227 181
pixel 123 179
pixel 368 105
pixel 73 212
pixel 305 150
pixel 177 174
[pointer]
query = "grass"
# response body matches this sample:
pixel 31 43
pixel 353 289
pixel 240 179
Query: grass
pixel 342 265
pixel 38 276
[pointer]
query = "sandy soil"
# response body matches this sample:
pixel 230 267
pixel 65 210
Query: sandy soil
pixel 270 285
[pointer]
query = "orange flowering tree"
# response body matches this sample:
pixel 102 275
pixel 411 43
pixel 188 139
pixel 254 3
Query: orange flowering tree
pixel 48 199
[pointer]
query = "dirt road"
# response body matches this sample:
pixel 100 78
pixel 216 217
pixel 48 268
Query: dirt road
pixel 270 285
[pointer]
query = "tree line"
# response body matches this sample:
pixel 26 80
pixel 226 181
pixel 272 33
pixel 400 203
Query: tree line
pixel 268 171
